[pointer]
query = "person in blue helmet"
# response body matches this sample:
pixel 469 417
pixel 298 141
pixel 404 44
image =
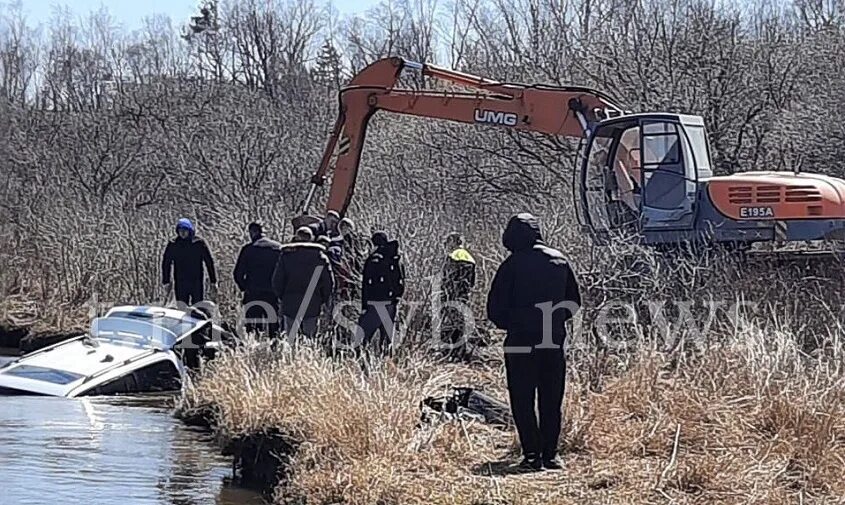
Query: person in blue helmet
pixel 183 261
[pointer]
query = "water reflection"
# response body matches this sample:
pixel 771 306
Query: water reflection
pixel 108 451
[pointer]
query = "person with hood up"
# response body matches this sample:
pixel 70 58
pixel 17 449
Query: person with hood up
pixel 382 287
pixel 185 256
pixel 533 294
pixel 303 281
pixel 253 275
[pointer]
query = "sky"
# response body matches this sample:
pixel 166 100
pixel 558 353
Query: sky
pixel 130 13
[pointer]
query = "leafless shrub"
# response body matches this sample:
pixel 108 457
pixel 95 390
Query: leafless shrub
pixel 106 138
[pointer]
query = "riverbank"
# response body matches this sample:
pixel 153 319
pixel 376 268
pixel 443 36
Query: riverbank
pixel 752 419
pixel 16 340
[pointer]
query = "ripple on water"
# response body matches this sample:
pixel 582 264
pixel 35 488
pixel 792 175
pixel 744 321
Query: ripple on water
pixel 107 451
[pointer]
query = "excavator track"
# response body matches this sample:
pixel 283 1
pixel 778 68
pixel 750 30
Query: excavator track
pixel 821 264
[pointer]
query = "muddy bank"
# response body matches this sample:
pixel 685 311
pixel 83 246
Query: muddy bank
pixel 23 339
pixel 259 461
pixel 11 336
pixel 35 341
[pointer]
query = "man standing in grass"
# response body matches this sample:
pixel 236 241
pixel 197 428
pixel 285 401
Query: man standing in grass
pixel 532 296
pixel 458 280
pixel 253 274
pixel 383 285
pixel 303 282
pixel 185 256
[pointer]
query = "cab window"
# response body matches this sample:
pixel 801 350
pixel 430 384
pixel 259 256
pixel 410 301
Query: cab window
pixel 698 143
pixel 660 144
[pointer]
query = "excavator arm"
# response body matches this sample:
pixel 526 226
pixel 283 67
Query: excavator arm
pixel 567 111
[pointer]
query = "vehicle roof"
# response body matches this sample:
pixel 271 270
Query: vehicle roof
pixel 78 356
pixel 86 357
pixel 686 119
pixel 153 310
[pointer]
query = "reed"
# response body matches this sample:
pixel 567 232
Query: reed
pixel 752 419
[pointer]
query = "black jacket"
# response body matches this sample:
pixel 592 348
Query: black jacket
pixel 256 263
pixel 533 274
pixel 298 264
pixel 185 257
pixel 384 275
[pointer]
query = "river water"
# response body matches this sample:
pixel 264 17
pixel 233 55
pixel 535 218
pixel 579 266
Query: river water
pixel 104 451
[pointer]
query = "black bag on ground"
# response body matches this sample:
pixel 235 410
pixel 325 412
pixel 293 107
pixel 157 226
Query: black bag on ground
pixel 466 400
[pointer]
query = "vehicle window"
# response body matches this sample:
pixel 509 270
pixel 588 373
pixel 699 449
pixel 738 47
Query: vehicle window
pixel 161 376
pixel 698 140
pixel 122 385
pixel 658 128
pixel 626 162
pixel 595 182
pixel 43 374
pixel 598 161
pixel 17 392
pixel 660 144
pixel 137 331
pixel 177 326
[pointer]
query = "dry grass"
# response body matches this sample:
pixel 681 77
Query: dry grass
pixel 750 421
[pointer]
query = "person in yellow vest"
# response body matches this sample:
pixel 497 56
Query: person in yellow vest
pixel 458 281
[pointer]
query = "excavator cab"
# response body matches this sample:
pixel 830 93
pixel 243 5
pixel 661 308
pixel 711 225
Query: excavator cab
pixel 640 175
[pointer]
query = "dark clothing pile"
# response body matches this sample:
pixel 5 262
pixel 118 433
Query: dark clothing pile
pixel 303 279
pixel 533 275
pixel 184 259
pixel 254 277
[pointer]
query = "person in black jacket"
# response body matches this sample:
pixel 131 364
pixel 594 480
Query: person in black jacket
pixel 185 255
pixel 457 282
pixel 254 277
pixel 382 286
pixel 533 294
pixel 303 281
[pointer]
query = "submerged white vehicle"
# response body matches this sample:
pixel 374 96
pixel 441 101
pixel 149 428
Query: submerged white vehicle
pixel 132 349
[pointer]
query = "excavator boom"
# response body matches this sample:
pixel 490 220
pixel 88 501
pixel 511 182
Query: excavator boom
pixel 567 111
pixel 646 175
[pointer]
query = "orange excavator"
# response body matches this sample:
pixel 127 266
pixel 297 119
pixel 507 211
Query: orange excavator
pixel 647 173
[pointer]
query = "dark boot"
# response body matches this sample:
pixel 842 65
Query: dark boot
pixel 531 463
pixel 553 463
